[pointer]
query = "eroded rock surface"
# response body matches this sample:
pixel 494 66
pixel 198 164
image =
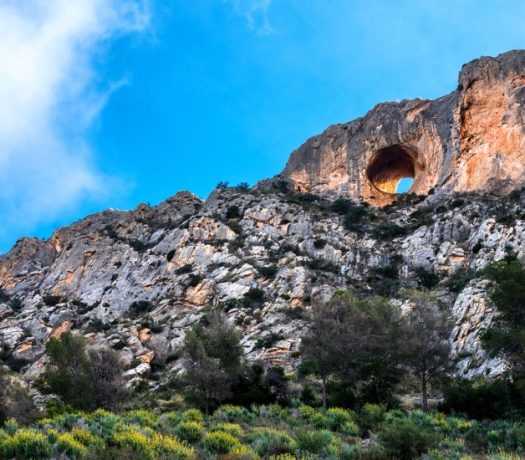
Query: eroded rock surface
pixel 185 255
pixel 471 139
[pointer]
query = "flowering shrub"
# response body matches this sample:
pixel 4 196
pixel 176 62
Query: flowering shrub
pixel 219 442
pixel 270 441
pixel 190 432
pixel 233 428
pixel 26 443
pixel 270 432
pixel 67 444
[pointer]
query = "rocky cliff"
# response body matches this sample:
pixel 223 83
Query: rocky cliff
pixel 470 140
pixel 136 280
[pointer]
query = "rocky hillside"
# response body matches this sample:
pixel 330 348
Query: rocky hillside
pixel 136 280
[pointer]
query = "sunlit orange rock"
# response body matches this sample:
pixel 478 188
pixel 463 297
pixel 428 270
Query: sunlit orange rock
pixel 470 140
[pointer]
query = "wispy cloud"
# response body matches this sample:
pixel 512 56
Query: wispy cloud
pixel 48 100
pixel 256 14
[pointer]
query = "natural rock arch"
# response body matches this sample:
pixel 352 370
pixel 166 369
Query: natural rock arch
pixel 389 165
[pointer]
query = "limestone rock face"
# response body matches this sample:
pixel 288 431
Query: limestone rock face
pixel 471 139
pixel 267 255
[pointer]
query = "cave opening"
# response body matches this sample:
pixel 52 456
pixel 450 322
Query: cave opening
pixel 393 169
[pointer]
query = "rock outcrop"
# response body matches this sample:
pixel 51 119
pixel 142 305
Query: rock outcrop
pixel 470 140
pixel 136 280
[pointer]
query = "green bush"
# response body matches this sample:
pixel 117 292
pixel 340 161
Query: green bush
pixel 189 431
pixel 166 447
pixel 427 278
pixel 11 426
pixel 67 444
pixel 135 441
pixel 370 417
pixel 388 230
pixel 270 441
pixel 139 308
pixel 27 444
pixel 233 428
pixel 338 418
pixel 87 438
pixel 482 399
pixel 402 439
pixel 219 442
pixel 317 441
pixel 142 418
pixel 459 280
pixel 231 413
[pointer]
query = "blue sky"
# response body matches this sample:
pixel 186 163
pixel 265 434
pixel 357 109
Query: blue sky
pixel 109 103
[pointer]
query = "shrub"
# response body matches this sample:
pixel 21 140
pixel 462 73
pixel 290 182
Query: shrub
pixel 232 428
pixel 254 295
pixel 11 426
pixel 268 271
pixel 190 431
pixel 87 438
pixel 242 452
pixel 270 441
pixel 69 445
pixel 185 269
pixel 388 230
pixel 194 279
pixel 338 417
pixel 317 441
pixel 371 416
pixel 219 442
pixel 458 281
pixel 268 340
pixel 242 187
pixel 426 278
pixel 52 300
pixel 142 418
pixel 403 439
pixel 166 447
pixel 353 214
pixel 140 307
pixel 231 413
pixel 27 444
pixel 193 415
pixel 135 441
pixel 482 399
pixel 307 412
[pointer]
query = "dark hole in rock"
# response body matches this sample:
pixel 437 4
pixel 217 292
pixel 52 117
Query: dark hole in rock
pixel 393 167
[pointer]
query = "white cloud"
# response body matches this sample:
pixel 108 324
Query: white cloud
pixel 256 14
pixel 48 99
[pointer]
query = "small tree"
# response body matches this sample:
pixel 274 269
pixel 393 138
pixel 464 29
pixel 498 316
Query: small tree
pixel 213 361
pixel 85 380
pixel 426 340
pixel 68 373
pixel 321 347
pixel 15 401
pixel 106 372
pixel 506 336
pixel 354 341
